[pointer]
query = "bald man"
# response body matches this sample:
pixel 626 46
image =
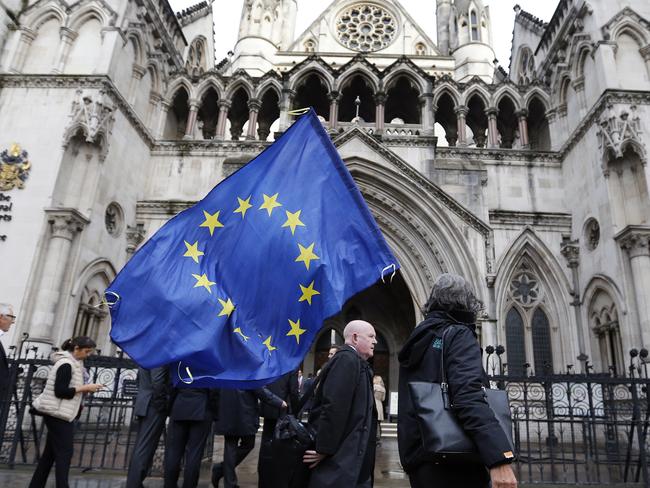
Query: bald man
pixel 344 415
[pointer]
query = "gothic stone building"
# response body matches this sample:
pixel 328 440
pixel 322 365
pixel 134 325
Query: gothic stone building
pixel 532 182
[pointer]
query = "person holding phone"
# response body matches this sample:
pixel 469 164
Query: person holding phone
pixel 60 405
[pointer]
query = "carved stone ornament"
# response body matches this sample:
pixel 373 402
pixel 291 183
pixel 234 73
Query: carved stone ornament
pixel 366 28
pixel 92 113
pixel 592 234
pixel 618 130
pixel 571 252
pixel 525 288
pixel 14 168
pixel 134 237
pixel 113 219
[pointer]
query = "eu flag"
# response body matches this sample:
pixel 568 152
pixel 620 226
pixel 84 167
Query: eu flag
pixel 235 289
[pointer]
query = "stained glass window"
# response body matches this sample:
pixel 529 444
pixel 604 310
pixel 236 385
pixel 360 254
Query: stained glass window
pixel 542 352
pixel 515 343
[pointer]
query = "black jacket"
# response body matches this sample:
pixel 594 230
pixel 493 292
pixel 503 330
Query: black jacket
pixel 197 404
pixel 239 411
pixel 344 418
pixel 4 377
pixel 285 388
pixel 420 361
pixel 153 391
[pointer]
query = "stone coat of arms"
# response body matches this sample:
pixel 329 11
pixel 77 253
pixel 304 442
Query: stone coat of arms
pixel 14 168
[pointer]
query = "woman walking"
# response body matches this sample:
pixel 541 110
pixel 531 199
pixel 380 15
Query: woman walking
pixel 60 405
pixel 450 326
pixel 379 392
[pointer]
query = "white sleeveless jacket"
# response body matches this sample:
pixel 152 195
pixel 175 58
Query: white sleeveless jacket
pixel 61 408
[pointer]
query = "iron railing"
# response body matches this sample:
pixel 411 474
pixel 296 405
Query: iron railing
pixel 568 428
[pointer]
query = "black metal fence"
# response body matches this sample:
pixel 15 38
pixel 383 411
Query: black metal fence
pixel 568 428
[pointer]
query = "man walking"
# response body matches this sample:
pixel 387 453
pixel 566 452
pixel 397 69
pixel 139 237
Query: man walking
pixel 151 405
pixel 344 415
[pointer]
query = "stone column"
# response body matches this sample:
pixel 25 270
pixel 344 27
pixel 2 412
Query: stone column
pixel 64 225
pixel 334 98
pixel 154 103
pixel 493 130
pixel 522 116
pixel 563 123
pixel 224 107
pixel 635 241
pixel 68 36
pixel 571 252
pixel 136 75
pixel 380 112
pixel 645 52
pixel 428 114
pixel 162 120
pixel 254 107
pixel 551 117
pixel 285 107
pixel 579 87
pixel 461 118
pixel 27 36
pixel 191 119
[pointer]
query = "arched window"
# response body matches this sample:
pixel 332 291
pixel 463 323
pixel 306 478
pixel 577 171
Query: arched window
pixel 603 318
pixel 474 27
pixel 420 49
pixel 541 332
pixel 310 46
pixel 515 343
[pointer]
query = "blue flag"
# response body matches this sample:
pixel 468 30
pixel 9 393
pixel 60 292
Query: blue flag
pixel 233 291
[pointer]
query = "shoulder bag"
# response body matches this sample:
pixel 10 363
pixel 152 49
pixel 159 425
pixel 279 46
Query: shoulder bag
pixel 443 437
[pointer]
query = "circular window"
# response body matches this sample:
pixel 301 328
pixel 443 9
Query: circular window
pixel 592 234
pixel 525 289
pixel 113 219
pixel 366 28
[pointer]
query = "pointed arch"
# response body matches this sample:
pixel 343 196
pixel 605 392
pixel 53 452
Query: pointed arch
pixel 528 254
pixel 358 70
pixel 311 68
pixel 40 15
pixel 240 83
pixel 154 71
pixel 88 11
pixel 582 50
pixel 477 90
pixel 506 91
pixel 404 72
pixel 633 29
pixel 206 84
pixel 139 43
pixel 449 89
pixel 539 93
pixel 269 84
pixel 175 85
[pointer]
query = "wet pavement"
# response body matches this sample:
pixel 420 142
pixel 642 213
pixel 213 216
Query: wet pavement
pixel 388 473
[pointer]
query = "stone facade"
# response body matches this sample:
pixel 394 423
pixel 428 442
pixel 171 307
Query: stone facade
pixel 533 184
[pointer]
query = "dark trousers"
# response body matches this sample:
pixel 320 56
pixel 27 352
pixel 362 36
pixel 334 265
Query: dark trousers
pixel 268 475
pixel 185 438
pixel 150 429
pixel 235 450
pixel 58 450
pixel 449 476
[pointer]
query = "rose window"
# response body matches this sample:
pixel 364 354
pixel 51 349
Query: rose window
pixel 525 289
pixel 366 28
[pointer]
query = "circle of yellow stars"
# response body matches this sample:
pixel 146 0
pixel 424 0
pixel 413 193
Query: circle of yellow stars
pixel 306 256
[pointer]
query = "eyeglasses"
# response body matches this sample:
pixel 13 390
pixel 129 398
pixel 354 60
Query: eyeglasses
pixel 12 317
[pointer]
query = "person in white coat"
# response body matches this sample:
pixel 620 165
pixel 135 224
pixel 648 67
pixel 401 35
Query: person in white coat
pixel 60 405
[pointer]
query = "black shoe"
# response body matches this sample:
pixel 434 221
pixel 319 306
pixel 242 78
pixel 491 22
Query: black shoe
pixel 217 474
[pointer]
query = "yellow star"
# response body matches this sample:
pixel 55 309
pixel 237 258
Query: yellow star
pixel 268 345
pixel 228 307
pixel 296 331
pixel 238 331
pixel 193 251
pixel 211 221
pixel 306 255
pixel 307 293
pixel 244 205
pixel 202 280
pixel 293 221
pixel 270 203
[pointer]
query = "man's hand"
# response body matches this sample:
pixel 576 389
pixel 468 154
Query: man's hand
pixel 312 458
pixel 503 477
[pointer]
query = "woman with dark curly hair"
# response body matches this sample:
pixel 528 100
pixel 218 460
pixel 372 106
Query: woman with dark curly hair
pixel 60 405
pixel 451 311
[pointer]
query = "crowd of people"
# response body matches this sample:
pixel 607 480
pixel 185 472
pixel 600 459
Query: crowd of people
pixel 343 405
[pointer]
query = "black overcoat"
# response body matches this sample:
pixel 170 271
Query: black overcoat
pixel 197 404
pixel 286 388
pixel 153 384
pixel 4 377
pixel 344 418
pixel 420 361
pixel 239 411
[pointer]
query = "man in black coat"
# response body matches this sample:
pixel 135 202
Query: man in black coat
pixel 151 405
pixel 451 305
pixel 192 412
pixel 238 422
pixel 344 415
pixel 7 318
pixel 270 469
